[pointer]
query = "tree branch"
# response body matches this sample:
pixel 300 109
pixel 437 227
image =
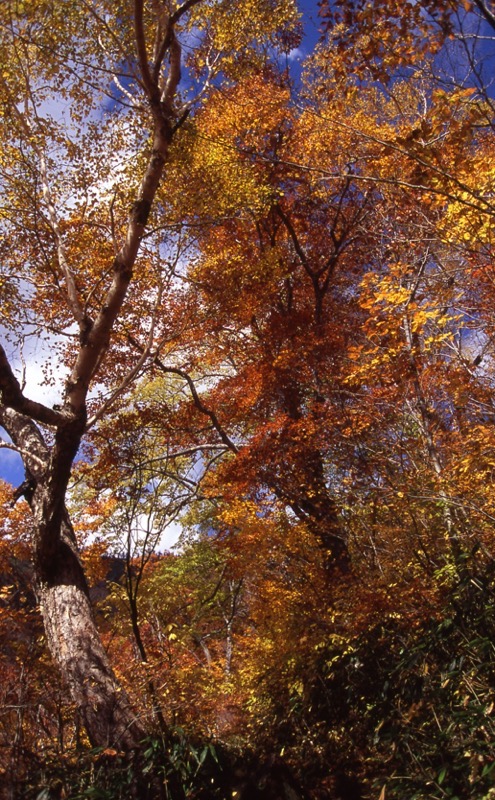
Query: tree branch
pixel 485 11
pixel 183 9
pixel 150 85
pixel 12 397
pixel 173 79
pixel 199 404
pixel 295 241
pixel 23 453
pixel 127 380
pixel 27 440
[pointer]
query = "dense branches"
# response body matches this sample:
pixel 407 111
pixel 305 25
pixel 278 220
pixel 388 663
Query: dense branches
pixel 267 296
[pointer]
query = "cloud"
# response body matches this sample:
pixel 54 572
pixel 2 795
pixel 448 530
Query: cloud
pixel 170 537
pixel 297 54
pixel 35 363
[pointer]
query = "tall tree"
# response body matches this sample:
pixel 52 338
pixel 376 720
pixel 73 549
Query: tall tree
pixel 91 105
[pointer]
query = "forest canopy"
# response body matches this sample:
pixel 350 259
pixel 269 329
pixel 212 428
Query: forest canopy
pixel 253 243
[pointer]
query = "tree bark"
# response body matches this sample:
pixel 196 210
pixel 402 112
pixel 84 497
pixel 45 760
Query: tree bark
pixel 76 648
pixel 314 506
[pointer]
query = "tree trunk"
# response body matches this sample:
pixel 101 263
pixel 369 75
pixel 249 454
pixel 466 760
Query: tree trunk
pixel 304 486
pixel 70 628
pixel 317 509
pixel 76 648
pixel 62 590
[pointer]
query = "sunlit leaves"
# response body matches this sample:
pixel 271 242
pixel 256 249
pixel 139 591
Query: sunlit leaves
pixel 301 374
pixel 231 34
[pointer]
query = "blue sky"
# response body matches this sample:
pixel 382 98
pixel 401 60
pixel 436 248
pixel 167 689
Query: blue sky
pixel 11 468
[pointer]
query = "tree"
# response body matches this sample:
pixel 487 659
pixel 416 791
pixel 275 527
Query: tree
pixel 289 341
pixel 73 251
pixel 343 321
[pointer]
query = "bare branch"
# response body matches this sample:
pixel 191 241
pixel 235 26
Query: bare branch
pixel 199 448
pixel 26 455
pixel 199 404
pixel 295 241
pixel 173 79
pixel 127 380
pixel 167 40
pixel 485 11
pixel 72 292
pixel 183 9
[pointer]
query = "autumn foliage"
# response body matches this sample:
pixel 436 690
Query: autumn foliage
pixel 264 269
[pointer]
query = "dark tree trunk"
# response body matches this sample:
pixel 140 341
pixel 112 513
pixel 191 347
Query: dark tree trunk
pixel 71 633
pixel 304 488
pixel 316 508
